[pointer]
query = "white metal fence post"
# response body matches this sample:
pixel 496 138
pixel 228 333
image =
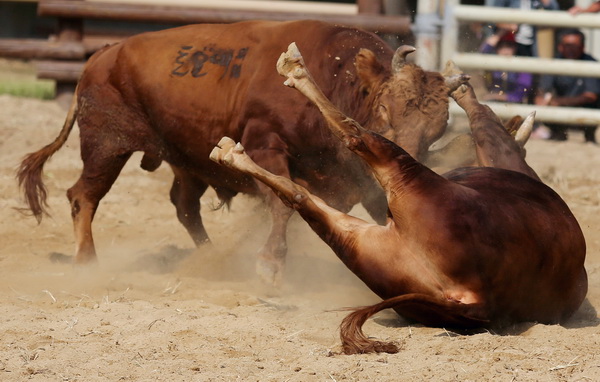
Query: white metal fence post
pixel 449 43
pixel 456 13
pixel 427 29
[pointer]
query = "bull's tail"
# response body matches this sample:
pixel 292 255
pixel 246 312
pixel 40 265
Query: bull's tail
pixel 29 173
pixel 433 311
pixel 354 340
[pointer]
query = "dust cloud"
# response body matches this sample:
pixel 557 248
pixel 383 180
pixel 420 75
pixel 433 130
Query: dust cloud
pixel 156 308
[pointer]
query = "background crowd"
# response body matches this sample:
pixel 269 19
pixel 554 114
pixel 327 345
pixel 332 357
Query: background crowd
pixel 547 90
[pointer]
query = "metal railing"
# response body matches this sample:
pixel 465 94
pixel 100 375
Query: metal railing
pixel 456 13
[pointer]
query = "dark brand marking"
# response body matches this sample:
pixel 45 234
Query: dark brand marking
pixel 180 61
pixel 199 62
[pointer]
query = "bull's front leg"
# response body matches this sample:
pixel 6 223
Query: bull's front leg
pixel 494 146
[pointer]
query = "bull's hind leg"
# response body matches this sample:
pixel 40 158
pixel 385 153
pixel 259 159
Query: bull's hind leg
pixel 270 261
pixel 495 147
pixel 97 177
pixel 185 195
pixel 271 257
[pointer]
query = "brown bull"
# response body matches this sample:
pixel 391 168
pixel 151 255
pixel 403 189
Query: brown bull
pixel 478 247
pixel 173 94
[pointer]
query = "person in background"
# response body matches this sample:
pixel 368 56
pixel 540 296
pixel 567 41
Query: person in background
pixel 593 8
pixel 526 34
pixel 505 86
pixel 573 91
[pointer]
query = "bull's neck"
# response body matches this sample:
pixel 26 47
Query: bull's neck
pixel 349 97
pixel 364 113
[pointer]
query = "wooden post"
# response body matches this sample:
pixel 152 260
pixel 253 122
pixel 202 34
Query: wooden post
pixel 370 7
pixel 70 30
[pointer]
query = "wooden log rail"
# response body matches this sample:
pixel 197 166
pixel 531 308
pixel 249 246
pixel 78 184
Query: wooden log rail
pixel 63 58
pixel 190 15
pixel 60 71
pixel 38 48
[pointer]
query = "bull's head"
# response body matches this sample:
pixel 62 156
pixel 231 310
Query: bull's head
pixel 408 105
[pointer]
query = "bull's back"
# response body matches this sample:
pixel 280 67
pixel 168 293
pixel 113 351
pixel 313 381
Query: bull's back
pixel 212 78
pixel 535 248
pixel 185 88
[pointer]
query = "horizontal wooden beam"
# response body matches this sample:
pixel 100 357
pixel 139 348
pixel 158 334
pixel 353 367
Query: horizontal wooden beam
pixel 38 49
pixel 554 19
pixel 295 6
pixel 551 114
pixel 190 15
pixel 480 61
pixel 65 71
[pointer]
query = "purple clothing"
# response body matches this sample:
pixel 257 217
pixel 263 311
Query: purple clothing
pixel 515 85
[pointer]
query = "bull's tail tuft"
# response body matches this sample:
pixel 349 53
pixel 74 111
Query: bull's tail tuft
pixel 354 340
pixel 225 196
pixel 434 311
pixel 29 173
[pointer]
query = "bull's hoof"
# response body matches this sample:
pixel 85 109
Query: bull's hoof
pixel 456 81
pixel 220 151
pixel 464 95
pixel 270 272
pixel 225 152
pixel 291 65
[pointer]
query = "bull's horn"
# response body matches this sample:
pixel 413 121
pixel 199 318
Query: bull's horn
pixel 524 131
pixel 399 58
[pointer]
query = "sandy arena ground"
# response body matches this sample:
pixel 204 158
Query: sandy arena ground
pixel 156 309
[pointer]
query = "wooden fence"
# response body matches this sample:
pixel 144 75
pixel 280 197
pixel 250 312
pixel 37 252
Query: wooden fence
pixel 456 13
pixel 61 57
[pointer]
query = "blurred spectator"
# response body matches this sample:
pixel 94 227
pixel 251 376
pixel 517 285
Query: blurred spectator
pixel 556 90
pixel 526 35
pixel 505 86
pixel 593 8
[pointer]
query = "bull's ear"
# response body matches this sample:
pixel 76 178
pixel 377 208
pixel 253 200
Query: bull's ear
pixel 370 71
pixel 451 69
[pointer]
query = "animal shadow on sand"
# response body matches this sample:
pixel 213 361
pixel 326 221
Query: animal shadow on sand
pixel 239 266
pixel 161 261
pixel 586 316
pixel 164 260
pixel 306 271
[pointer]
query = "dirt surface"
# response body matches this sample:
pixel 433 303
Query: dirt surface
pixel 156 309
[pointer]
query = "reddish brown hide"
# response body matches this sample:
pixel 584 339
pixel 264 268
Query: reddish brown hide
pixel 477 247
pixel 173 94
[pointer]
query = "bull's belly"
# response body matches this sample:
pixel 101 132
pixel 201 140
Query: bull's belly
pixel 205 172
